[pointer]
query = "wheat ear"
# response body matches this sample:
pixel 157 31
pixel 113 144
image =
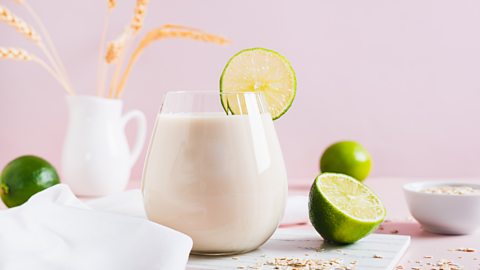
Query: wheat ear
pixel 102 68
pixel 117 46
pixel 120 45
pixel 23 28
pixel 112 4
pixel 22 55
pixel 178 26
pixel 18 24
pixel 48 39
pixel 139 16
pixel 14 54
pixel 165 33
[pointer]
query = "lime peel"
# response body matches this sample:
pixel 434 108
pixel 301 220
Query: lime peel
pixel 25 176
pixel 260 70
pixel 335 216
pixel 347 157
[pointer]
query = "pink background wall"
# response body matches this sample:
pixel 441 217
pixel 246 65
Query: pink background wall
pixel 402 77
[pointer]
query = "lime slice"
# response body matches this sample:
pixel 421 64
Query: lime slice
pixel 260 70
pixel 343 210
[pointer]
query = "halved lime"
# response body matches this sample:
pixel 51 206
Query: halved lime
pixel 343 210
pixel 260 70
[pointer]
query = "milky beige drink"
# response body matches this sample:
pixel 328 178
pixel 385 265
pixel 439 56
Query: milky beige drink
pixel 219 179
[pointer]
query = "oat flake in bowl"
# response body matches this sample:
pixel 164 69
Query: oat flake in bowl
pixel 452 190
pixel 445 207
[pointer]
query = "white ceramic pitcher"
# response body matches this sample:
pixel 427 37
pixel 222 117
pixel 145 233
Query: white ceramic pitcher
pixel 96 158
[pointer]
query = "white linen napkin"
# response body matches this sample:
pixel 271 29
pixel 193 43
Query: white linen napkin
pixel 56 231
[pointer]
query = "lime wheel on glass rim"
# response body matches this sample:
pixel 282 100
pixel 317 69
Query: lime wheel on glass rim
pixel 260 70
pixel 343 210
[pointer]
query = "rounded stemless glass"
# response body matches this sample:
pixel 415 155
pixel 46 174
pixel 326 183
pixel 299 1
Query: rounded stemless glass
pixel 215 171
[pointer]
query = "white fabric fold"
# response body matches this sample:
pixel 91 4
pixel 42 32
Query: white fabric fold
pixel 56 231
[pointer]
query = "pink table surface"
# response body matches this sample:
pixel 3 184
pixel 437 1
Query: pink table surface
pixel 424 247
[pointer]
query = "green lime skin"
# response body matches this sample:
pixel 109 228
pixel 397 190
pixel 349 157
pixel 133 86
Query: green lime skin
pixel 280 56
pixel 347 157
pixel 25 176
pixel 333 225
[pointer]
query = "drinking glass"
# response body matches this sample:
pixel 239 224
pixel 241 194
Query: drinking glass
pixel 215 171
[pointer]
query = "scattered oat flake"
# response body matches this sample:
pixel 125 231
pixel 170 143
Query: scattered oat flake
pixel 465 249
pixel 317 264
pixel 443 264
pixel 376 256
pixel 447 265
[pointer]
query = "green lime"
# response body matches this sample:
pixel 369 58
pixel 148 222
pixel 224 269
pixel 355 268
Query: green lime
pixel 343 210
pixel 346 157
pixel 25 176
pixel 260 70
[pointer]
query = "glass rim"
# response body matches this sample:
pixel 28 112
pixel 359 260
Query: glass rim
pixel 215 92
pixel 201 101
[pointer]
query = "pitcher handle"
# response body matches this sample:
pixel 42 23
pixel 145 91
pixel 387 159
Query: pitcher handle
pixel 141 131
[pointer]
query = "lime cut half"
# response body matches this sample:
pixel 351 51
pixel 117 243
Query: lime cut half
pixel 342 209
pixel 260 70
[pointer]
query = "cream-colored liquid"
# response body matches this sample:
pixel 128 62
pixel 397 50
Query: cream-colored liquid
pixel 219 179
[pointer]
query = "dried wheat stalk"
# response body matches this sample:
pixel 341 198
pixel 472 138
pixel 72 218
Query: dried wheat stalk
pixel 178 26
pixel 166 32
pixel 139 15
pixel 21 26
pixel 120 45
pixel 112 4
pixel 117 46
pixel 14 54
pixel 20 54
pixel 109 54
pixel 55 58
pixel 116 53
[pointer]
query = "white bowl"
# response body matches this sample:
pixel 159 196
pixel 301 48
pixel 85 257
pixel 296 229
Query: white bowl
pixel 441 213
